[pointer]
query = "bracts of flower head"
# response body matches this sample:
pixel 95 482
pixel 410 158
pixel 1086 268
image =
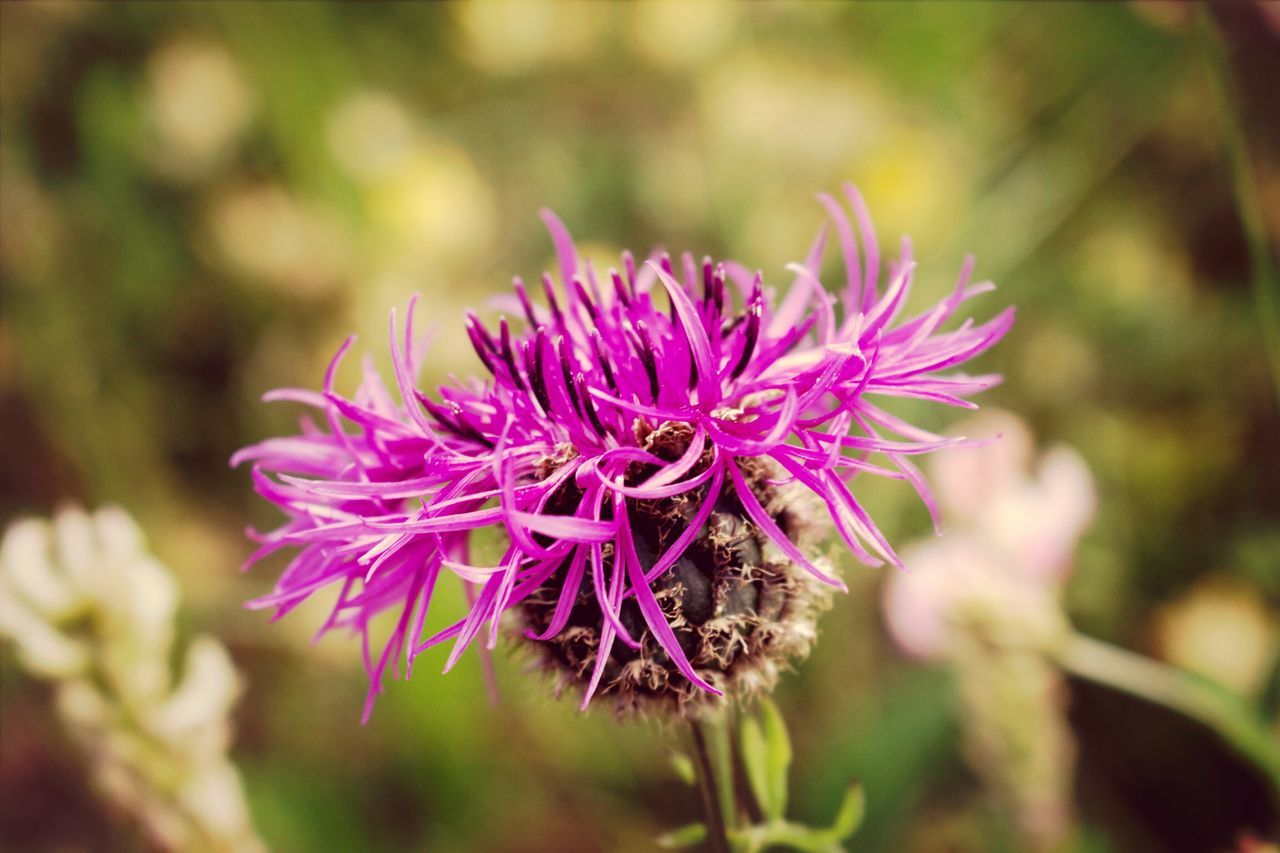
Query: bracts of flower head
pixel 641 439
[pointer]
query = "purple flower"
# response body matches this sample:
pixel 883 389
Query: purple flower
pixel 648 443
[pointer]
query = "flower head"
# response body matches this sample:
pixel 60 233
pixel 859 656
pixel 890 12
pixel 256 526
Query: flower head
pixel 652 444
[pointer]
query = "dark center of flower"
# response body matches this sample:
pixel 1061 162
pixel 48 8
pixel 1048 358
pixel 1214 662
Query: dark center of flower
pixel 737 612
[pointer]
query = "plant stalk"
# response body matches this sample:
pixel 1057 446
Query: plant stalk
pixel 1244 186
pixel 717 838
pixel 1220 711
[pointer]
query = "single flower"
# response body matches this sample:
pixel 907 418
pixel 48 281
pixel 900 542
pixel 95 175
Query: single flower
pixel 653 444
pixel 986 599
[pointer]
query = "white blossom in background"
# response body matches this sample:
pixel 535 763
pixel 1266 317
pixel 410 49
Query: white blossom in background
pixel 985 599
pixel 90 611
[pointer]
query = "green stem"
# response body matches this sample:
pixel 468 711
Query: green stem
pixel 793 836
pixel 717 839
pixel 1244 187
pixel 1140 676
pixel 720 737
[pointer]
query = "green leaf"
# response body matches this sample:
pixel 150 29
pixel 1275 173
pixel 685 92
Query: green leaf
pixel 683 767
pixel 755 761
pixel 778 758
pixel 852 810
pixel 791 836
pixel 685 836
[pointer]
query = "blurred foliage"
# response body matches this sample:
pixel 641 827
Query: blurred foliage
pixel 199 200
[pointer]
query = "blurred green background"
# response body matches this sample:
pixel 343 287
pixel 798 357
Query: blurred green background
pixel 198 201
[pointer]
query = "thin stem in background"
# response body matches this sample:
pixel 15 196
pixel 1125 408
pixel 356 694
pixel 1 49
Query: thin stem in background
pixel 717 840
pixel 1244 187
pixel 1215 708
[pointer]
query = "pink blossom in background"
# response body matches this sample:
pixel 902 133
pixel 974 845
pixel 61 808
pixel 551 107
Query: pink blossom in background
pixel 1011 534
